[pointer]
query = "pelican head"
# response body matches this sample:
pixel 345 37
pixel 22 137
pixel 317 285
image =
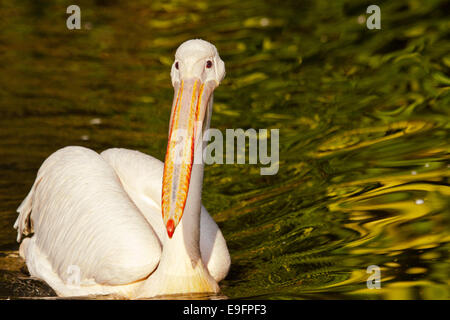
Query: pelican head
pixel 196 72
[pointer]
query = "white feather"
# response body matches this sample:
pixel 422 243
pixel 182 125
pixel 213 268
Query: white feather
pixel 141 177
pixel 102 213
pixel 82 216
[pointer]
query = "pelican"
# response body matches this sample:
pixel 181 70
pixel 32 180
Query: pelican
pixel 124 223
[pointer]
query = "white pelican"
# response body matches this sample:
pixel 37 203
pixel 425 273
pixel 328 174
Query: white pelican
pixel 124 223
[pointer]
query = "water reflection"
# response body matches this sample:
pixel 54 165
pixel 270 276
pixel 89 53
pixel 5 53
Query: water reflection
pixel 363 119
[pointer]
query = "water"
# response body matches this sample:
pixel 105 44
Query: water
pixel 363 118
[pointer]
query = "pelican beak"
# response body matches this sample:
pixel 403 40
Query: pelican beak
pixel 190 103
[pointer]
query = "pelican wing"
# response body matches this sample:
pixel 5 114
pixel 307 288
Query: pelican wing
pixel 82 217
pixel 141 176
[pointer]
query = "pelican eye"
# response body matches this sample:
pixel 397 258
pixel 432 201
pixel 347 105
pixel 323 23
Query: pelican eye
pixel 176 65
pixel 209 64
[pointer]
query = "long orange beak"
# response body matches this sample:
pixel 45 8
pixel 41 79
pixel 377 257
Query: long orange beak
pixel 191 100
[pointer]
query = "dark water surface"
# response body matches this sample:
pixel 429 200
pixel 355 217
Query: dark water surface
pixel 363 118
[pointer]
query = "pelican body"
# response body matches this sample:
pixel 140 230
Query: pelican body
pixel 124 223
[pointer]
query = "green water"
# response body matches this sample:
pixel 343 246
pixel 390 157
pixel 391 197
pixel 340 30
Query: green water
pixel 363 118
